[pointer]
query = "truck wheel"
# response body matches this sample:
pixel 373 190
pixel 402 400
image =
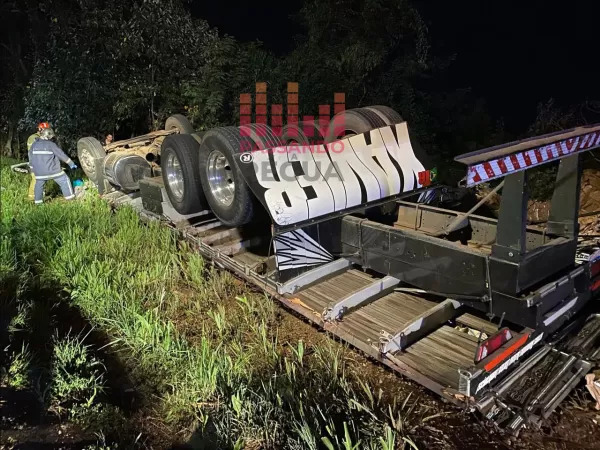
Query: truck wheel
pixel 198 135
pixel 88 150
pixel 352 122
pixel 305 133
pixel 387 114
pixel 262 136
pixel 294 134
pixel 179 163
pixel 226 191
pixel 179 122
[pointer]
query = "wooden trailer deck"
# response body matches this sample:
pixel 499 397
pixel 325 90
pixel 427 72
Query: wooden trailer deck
pixel 479 267
pixel 437 357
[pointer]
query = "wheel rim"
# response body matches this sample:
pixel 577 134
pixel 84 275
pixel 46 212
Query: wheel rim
pixel 220 178
pixel 175 176
pixel 87 162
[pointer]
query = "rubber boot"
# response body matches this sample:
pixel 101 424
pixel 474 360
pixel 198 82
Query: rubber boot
pixel 30 194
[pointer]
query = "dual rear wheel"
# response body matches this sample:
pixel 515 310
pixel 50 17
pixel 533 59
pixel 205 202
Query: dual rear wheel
pixel 201 173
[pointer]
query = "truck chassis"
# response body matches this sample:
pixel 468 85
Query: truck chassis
pixel 492 314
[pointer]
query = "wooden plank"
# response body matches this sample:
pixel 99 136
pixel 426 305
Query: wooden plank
pixel 477 323
pixel 332 289
pixel 389 313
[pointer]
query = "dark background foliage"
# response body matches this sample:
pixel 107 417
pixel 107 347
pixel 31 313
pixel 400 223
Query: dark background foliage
pixel 464 76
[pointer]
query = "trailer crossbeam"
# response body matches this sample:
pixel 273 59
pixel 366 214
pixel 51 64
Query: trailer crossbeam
pixel 295 284
pixel 361 296
pixel 420 327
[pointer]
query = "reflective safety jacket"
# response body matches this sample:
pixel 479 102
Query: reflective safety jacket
pixel 44 159
pixel 32 139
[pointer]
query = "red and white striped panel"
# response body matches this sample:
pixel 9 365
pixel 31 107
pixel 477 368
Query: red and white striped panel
pixel 505 165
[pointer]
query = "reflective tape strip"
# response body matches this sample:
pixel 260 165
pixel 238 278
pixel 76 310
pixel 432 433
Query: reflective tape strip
pixel 39 201
pixel 47 177
pixel 69 197
pixel 499 167
pixel 42 152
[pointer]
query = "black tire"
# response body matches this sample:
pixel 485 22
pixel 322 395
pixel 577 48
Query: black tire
pixel 88 150
pixel 293 133
pixel 239 209
pixel 261 136
pixel 184 191
pixel 387 114
pixel 179 122
pixel 318 135
pixel 198 135
pixel 352 122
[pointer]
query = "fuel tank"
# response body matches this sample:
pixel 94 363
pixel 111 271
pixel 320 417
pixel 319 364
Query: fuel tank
pixel 126 169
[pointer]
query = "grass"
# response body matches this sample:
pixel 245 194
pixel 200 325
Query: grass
pixel 77 375
pixel 209 352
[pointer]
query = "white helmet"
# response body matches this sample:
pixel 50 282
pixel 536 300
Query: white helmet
pixel 47 134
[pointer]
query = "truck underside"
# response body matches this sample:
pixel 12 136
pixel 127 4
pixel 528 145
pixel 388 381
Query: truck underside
pixel 494 314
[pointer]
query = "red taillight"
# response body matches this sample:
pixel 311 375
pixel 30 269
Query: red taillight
pixel 424 178
pixel 595 268
pixel 492 344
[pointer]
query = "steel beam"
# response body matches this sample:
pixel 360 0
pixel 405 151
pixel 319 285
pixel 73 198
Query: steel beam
pixel 424 324
pixel 565 390
pixel 204 227
pixel 295 284
pixel 512 221
pixel 372 291
pixel 564 207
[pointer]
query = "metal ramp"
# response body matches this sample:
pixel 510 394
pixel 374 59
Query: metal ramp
pixel 438 355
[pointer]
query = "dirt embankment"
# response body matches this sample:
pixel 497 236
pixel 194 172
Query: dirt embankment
pixel 537 211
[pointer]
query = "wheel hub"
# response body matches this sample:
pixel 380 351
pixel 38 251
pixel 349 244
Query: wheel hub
pixel 175 176
pixel 87 162
pixel 220 178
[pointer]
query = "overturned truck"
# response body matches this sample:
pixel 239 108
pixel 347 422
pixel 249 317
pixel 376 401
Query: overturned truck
pixel 336 223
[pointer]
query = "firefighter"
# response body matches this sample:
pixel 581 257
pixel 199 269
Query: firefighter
pixel 30 142
pixel 44 159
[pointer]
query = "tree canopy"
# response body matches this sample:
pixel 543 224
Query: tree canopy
pixel 105 66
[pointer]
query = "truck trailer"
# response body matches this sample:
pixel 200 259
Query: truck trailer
pixel 340 223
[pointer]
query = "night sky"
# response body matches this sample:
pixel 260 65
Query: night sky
pixel 514 54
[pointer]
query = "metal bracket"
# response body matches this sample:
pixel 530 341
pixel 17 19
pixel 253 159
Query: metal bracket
pixel 426 323
pixel 564 207
pixel 370 292
pixel 295 284
pixel 511 235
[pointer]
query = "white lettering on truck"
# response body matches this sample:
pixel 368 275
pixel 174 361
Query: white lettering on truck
pixel 333 174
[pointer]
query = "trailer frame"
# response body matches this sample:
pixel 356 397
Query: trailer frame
pixel 482 272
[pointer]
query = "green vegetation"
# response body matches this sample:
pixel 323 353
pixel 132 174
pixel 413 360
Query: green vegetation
pixel 207 355
pixel 92 68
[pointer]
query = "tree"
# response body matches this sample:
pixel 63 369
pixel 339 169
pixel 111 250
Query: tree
pixel 115 66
